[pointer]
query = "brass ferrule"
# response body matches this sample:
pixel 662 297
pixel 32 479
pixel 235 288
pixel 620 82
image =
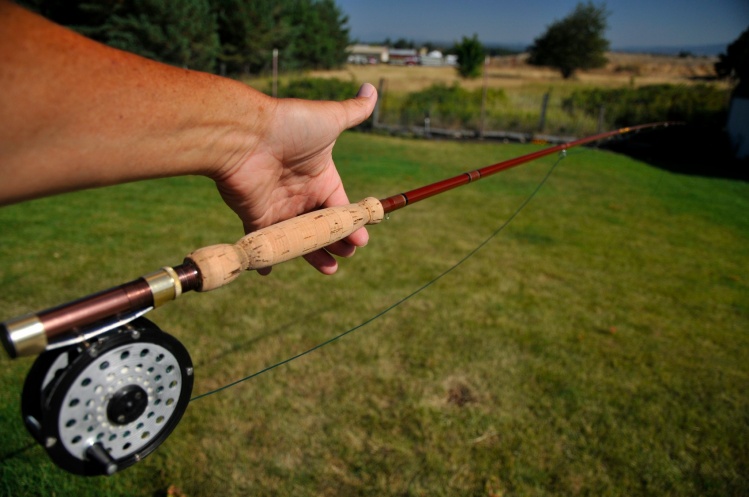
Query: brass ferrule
pixel 164 285
pixel 24 336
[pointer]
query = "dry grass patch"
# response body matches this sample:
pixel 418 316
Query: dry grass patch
pixel 512 72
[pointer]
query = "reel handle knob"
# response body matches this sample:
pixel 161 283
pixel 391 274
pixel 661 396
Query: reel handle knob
pixel 221 264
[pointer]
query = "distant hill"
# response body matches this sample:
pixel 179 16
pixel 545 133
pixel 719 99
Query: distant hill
pixel 710 50
pixel 707 50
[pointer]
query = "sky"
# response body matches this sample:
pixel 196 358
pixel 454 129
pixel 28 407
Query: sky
pixel 632 23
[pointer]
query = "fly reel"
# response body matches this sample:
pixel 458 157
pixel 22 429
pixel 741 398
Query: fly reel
pixel 102 406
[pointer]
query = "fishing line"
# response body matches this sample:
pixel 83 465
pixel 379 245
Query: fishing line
pixel 103 338
pixel 13 454
pixel 449 270
pixel 17 452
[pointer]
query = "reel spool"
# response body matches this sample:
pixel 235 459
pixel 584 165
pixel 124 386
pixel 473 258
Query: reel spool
pixel 103 406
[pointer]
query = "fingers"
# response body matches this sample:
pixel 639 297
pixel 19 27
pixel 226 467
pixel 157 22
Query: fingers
pixel 355 111
pixel 358 238
pixel 360 108
pixel 367 91
pixel 322 261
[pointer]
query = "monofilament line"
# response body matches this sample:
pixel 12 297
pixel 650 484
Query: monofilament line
pixel 404 299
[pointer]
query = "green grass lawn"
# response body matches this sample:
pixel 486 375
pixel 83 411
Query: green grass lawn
pixel 598 346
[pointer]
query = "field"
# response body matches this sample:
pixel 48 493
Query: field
pixel 597 346
pixel 517 91
pixel 511 72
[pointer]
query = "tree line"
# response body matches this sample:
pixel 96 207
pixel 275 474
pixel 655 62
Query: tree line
pixel 228 36
pixel 238 36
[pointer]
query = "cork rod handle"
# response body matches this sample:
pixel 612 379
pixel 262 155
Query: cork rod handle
pixel 221 264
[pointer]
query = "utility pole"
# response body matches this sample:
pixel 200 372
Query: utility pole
pixel 483 98
pixel 544 105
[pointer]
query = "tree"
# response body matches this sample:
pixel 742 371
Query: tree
pixel 182 33
pixel 240 34
pixel 309 34
pixel 470 54
pixel 575 42
pixel 248 31
pixel 403 43
pixel 735 63
pixel 319 36
pixel 72 13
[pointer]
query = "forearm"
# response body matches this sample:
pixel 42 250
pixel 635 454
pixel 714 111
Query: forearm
pixel 78 114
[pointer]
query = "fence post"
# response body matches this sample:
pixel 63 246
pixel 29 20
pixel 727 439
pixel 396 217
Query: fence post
pixel 544 104
pixel 380 97
pixel 601 116
pixel 483 98
pixel 275 72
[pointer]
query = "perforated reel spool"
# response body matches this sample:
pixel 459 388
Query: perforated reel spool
pixel 100 408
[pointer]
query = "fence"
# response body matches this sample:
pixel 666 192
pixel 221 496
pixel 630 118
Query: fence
pixel 532 112
pixel 450 111
pixel 450 108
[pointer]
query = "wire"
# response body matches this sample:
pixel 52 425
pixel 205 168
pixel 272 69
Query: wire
pixel 449 270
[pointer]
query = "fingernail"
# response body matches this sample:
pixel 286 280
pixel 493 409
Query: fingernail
pixel 366 90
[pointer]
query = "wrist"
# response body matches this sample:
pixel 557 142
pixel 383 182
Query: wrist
pixel 238 129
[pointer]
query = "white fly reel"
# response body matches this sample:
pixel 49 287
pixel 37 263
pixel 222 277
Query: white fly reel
pixel 101 406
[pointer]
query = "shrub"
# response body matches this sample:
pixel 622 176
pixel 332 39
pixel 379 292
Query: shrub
pixel 448 106
pixel 470 53
pixel 318 89
pixel 700 105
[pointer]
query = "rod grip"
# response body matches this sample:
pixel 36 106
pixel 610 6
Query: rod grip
pixel 221 264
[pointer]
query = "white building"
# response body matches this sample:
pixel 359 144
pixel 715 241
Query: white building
pixel 433 58
pixel 368 54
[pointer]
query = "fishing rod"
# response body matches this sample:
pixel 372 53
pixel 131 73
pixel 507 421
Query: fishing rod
pixel 109 386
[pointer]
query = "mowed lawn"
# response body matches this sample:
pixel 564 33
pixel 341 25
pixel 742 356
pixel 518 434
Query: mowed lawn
pixel 599 345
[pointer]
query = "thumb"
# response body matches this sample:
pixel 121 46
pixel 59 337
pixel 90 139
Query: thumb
pixel 360 108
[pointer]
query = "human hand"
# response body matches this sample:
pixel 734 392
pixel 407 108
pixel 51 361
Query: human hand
pixel 290 169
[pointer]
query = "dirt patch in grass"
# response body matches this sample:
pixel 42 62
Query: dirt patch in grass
pixel 460 392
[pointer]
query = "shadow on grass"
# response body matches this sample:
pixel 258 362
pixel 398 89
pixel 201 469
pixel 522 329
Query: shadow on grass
pixel 692 150
pixel 17 452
